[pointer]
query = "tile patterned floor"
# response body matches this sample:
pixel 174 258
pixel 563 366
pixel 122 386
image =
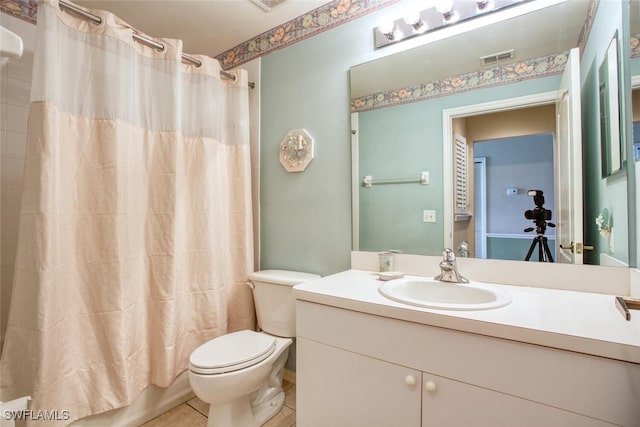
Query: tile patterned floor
pixel 194 413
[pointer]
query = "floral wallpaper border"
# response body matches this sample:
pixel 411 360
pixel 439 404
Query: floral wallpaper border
pixel 635 45
pixel 320 19
pixel 500 75
pixel 26 10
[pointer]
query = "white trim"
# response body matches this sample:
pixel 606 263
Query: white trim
pixel 635 82
pixel 516 236
pixel 355 184
pixel 448 115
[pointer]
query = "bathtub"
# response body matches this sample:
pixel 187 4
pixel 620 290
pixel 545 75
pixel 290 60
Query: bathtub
pixel 152 402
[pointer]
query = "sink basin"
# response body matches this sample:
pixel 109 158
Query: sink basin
pixel 431 293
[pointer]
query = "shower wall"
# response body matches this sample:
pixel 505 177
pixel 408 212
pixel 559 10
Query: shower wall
pixel 15 88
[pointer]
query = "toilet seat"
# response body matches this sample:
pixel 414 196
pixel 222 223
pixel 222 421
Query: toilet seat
pixel 231 352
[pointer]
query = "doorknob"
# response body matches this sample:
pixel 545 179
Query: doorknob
pixel 577 247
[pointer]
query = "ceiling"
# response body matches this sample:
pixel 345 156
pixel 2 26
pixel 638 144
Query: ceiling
pixel 207 27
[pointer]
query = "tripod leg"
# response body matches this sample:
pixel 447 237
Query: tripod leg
pixel 547 250
pixel 533 245
pixel 540 250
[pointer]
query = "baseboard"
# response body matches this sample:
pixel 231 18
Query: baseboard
pixel 289 376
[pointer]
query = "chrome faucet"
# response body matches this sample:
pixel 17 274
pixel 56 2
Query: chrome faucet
pixel 449 269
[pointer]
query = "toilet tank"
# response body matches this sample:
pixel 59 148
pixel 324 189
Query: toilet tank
pixel 274 301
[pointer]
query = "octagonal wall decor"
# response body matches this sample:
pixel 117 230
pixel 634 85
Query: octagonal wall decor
pixel 296 150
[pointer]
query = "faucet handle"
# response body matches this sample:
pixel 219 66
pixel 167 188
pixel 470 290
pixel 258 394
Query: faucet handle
pixel 449 255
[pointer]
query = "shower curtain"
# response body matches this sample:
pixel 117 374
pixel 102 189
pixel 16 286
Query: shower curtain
pixel 135 237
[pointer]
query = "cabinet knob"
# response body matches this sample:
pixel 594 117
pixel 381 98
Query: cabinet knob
pixel 410 380
pixel 430 386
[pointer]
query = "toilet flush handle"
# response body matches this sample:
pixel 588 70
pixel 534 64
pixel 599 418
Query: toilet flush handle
pixel 251 285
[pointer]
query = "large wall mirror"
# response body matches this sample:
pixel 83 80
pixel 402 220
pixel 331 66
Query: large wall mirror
pixel 436 118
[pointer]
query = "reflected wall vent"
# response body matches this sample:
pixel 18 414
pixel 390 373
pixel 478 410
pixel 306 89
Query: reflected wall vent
pixel 267 5
pixel 498 57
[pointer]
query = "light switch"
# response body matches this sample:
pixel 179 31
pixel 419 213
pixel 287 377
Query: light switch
pixel 424 178
pixel 428 216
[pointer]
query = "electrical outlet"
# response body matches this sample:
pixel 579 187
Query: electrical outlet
pixel 428 216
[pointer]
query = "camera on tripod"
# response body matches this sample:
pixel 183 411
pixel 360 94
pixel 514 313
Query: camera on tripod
pixel 540 216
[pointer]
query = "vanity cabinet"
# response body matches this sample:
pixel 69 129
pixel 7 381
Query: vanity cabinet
pixel 339 388
pixel 356 369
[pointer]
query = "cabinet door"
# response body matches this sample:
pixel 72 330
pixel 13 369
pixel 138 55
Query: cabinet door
pixel 453 403
pixel 339 388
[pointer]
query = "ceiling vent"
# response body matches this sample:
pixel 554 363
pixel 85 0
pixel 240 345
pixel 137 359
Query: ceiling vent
pixel 498 57
pixel 267 5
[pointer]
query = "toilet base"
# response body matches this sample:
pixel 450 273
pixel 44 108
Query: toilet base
pixel 258 407
pixel 240 412
pixel 267 410
pixel 235 413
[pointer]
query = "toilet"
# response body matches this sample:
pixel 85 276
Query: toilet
pixel 240 374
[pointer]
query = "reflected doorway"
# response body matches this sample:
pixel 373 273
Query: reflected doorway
pixel 511 152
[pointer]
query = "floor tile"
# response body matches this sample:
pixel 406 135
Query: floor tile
pixel 290 397
pixel 200 406
pixel 180 416
pixel 285 418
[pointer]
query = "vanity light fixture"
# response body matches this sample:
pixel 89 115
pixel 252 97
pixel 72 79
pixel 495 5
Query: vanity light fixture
pixel 444 14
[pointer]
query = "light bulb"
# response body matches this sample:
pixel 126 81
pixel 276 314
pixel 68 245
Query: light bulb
pixel 413 18
pixel 444 6
pixel 386 27
pixel 483 6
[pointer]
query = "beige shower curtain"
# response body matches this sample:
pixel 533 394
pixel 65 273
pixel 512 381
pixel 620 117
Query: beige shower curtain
pixel 135 235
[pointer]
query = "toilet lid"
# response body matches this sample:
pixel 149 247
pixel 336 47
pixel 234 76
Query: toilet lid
pixel 232 352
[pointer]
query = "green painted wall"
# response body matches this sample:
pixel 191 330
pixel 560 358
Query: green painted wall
pixel 398 142
pixel 515 249
pixel 306 217
pixel 389 147
pixel 610 192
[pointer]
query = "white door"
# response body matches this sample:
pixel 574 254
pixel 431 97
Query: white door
pixel 480 206
pixel 568 165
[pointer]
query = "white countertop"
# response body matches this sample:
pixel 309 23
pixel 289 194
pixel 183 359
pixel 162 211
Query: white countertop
pixel 582 322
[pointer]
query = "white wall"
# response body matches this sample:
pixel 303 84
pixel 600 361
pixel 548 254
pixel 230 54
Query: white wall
pixel 15 89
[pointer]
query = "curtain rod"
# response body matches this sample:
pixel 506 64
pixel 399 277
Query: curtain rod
pixel 141 39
